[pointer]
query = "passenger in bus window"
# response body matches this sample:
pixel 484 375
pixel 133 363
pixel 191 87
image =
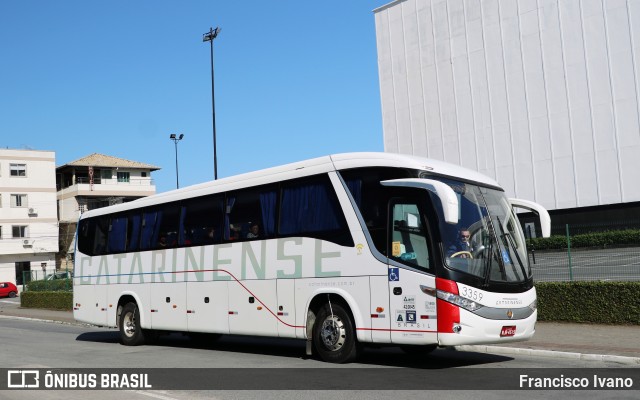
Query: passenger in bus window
pixel 234 232
pixel 162 242
pixel 211 236
pixel 254 231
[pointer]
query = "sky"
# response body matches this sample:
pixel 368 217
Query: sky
pixel 293 80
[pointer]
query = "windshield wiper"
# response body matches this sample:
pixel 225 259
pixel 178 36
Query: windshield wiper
pixel 489 259
pixel 512 244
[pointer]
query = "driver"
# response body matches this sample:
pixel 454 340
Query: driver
pixel 462 244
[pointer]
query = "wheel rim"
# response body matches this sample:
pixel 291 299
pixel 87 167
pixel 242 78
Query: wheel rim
pixel 129 324
pixel 333 333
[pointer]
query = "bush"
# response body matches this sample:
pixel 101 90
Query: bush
pixel 590 302
pixel 598 239
pixel 50 300
pixel 54 285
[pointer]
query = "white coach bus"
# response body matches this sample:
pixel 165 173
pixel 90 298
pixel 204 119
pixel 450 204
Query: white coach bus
pixel 342 251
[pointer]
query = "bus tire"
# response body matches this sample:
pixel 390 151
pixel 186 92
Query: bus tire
pixel 131 334
pixel 334 336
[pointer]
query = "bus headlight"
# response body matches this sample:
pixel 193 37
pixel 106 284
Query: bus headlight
pixel 534 306
pixel 459 301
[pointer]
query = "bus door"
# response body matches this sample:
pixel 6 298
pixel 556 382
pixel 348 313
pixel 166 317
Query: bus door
pixel 411 274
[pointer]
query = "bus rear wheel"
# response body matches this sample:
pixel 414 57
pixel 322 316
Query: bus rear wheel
pixel 334 336
pixel 131 333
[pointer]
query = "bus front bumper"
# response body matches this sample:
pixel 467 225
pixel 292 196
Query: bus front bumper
pixel 474 329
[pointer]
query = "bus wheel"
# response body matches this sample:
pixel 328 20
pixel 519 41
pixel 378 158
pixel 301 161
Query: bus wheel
pixel 130 331
pixel 334 335
pixel 418 350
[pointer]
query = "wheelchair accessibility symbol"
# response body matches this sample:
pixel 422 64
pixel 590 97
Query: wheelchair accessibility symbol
pixel 394 274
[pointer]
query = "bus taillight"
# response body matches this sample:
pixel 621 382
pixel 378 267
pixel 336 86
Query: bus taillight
pixel 448 313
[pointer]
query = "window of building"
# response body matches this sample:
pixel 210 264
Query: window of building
pixel 18 200
pixel 105 174
pixel 19 231
pixel 143 174
pixel 123 176
pixel 0 232
pixel 18 169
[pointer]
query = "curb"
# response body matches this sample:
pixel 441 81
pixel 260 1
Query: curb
pixel 49 321
pixel 550 353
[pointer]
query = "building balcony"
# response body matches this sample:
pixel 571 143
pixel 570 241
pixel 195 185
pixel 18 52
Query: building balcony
pixel 99 181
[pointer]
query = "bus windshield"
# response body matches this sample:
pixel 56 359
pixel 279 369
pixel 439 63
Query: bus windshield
pixel 487 241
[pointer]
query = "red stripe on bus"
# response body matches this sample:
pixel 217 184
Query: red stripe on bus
pixel 394 330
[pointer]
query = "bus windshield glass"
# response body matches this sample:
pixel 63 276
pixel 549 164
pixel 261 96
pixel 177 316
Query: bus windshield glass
pixel 487 241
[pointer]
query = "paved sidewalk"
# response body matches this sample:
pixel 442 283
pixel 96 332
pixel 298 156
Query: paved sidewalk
pixel 561 340
pixel 613 343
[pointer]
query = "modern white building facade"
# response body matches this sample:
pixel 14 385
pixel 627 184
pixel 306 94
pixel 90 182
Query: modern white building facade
pixel 28 215
pixel 542 95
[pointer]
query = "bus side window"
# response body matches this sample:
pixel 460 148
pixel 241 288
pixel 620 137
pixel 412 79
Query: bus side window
pixel 309 207
pixel 202 220
pixel 247 208
pixel 408 236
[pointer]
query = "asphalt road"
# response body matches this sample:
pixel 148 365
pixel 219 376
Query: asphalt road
pixel 30 344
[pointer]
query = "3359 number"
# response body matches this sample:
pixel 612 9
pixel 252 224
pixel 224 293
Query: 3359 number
pixel 471 294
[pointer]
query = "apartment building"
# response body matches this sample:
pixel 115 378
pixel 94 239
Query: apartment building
pixel 96 181
pixel 28 217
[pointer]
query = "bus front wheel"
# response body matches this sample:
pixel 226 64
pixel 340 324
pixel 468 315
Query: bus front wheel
pixel 334 335
pixel 130 331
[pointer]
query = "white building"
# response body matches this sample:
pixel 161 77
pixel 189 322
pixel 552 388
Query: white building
pixel 28 217
pixel 542 95
pixel 97 181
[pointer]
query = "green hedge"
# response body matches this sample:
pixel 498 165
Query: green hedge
pixel 54 285
pixel 598 239
pixel 49 300
pixel 581 302
pixel 589 302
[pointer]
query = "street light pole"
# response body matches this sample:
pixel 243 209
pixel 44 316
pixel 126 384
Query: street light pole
pixel 208 37
pixel 175 141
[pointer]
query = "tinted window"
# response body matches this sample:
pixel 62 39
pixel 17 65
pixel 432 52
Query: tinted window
pixel 373 199
pixel 92 235
pixel 251 214
pixel 202 220
pixel 309 207
pixel 168 223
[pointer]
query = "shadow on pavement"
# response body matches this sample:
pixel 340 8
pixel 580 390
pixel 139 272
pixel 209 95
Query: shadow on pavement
pixel 295 348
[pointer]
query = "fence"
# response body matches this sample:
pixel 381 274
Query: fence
pixel 47 280
pixel 612 255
